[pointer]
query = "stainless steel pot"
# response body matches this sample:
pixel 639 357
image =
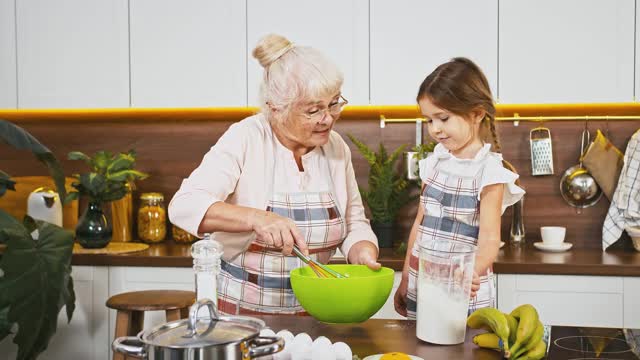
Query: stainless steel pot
pixel 578 188
pixel 215 337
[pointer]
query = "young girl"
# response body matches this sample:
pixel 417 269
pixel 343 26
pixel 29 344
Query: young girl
pixel 465 188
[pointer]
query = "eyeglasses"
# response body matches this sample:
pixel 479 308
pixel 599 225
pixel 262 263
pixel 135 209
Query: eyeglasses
pixel 333 109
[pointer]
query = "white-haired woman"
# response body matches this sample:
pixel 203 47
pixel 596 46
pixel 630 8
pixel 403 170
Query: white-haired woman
pixel 279 179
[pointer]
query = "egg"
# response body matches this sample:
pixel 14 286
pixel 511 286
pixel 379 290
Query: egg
pixel 379 357
pixel 342 351
pixel 285 354
pixel 321 349
pixel 286 335
pixel 267 332
pixel 301 347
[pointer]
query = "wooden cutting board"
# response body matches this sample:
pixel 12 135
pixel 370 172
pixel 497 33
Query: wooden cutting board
pixel 15 202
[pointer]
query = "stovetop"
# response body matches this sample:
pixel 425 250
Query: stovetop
pixel 582 343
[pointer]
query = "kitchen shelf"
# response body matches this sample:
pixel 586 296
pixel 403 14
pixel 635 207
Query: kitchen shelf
pixel 391 113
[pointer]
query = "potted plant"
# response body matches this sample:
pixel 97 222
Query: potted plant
pixel 107 181
pixel 388 190
pixel 417 153
pixel 35 267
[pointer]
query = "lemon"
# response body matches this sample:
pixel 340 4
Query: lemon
pixel 395 356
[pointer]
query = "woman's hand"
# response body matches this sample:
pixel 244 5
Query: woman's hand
pixel 400 298
pixel 278 232
pixel 364 253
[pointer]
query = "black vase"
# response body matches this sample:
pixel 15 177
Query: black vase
pixel 386 233
pixel 93 230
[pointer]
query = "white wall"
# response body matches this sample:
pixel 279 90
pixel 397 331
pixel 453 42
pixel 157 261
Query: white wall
pixel 197 53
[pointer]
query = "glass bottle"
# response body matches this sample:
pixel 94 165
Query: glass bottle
pixel 152 218
pixel 206 255
pixel 122 217
pixel 516 233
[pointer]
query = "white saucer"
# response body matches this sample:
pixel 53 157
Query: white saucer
pixel 553 248
pixel 501 244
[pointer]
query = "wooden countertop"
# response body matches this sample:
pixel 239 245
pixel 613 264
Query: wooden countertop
pixel 381 336
pixel 525 260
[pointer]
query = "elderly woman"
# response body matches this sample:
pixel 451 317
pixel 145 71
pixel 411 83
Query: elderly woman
pixel 279 179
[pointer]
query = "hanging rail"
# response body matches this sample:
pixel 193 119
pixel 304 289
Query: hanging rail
pixel 516 118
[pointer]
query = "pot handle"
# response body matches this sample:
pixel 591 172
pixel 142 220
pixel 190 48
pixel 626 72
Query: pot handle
pixel 265 345
pixel 129 345
pixel 193 315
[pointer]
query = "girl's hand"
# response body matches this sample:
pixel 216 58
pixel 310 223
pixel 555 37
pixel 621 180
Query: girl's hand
pixel 400 298
pixel 278 232
pixel 475 284
pixel 364 253
pixel 458 275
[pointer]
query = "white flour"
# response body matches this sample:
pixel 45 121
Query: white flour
pixel 441 319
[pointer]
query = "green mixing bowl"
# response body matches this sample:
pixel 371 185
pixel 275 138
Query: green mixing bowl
pixel 351 300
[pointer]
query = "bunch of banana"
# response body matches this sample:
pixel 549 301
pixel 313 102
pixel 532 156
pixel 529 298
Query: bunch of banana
pixel 493 320
pixel 518 335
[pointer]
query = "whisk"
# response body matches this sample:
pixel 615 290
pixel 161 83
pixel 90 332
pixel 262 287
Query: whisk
pixel 321 270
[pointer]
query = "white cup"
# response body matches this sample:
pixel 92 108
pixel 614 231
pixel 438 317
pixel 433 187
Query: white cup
pixel 553 235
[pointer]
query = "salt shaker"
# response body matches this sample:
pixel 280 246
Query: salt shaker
pixel 206 265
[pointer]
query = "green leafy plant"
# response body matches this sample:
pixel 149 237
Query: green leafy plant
pixel 35 268
pixel 421 150
pixel 388 190
pixel 108 177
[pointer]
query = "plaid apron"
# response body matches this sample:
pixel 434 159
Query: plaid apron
pixel 452 213
pixel 257 281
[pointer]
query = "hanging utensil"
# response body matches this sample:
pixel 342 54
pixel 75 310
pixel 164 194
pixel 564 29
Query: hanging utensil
pixel 578 188
pixel 411 157
pixel 541 151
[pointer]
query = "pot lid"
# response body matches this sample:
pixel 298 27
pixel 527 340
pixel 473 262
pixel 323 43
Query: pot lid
pixel 209 331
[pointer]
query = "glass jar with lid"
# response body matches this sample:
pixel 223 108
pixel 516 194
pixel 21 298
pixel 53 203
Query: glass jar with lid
pixel 180 235
pixel 152 218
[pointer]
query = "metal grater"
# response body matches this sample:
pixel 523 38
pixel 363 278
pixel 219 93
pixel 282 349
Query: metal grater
pixel 541 151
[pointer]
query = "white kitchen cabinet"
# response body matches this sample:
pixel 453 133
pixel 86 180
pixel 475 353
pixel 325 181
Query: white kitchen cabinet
pixel 388 311
pixel 337 28
pixel 566 51
pixel 86 336
pixel 566 300
pixel 72 53
pixel 632 302
pixel 410 38
pixel 8 99
pixel 188 53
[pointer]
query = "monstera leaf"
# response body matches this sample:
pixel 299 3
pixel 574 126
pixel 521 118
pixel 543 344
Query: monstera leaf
pixel 22 140
pixel 35 283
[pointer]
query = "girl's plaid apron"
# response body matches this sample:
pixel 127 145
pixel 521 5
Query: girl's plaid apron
pixel 452 213
pixel 257 281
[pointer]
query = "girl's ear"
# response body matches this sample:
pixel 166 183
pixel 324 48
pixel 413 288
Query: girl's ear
pixel 478 115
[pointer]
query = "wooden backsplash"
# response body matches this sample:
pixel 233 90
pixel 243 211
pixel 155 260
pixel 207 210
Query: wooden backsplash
pixel 170 150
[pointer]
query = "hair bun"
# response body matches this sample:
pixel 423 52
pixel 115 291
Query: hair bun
pixel 270 48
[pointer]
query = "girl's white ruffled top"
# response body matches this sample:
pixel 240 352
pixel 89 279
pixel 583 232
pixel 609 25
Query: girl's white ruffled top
pixel 486 167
